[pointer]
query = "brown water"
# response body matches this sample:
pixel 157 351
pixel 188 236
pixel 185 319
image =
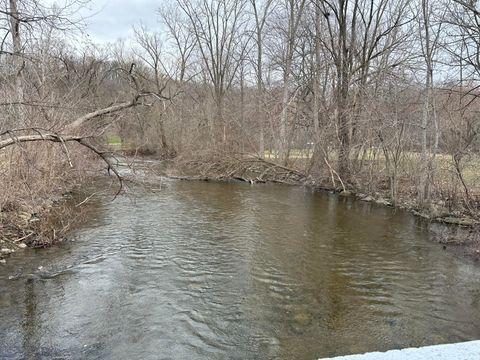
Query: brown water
pixel 195 270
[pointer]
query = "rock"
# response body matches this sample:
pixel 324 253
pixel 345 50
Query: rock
pixel 439 211
pixel 420 214
pixel 25 216
pixel 48 203
pixel 5 251
pixel 459 221
pixel 368 198
pixel 382 201
pixel 22 245
pixel 302 319
pixel 345 193
pixel 3 261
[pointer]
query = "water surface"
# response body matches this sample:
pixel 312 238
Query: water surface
pixel 193 270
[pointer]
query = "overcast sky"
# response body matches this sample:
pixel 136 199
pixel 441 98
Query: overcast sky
pixel 109 20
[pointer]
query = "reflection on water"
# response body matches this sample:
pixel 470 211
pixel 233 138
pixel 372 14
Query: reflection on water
pixel 232 271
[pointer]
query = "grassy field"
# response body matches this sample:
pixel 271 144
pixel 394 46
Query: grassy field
pixel 114 140
pixel 294 154
pixel 446 175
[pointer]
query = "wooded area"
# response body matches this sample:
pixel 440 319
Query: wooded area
pixel 377 96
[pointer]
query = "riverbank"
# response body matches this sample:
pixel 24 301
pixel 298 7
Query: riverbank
pixel 453 230
pixel 33 225
pixel 42 223
pixel 49 221
pixel 34 219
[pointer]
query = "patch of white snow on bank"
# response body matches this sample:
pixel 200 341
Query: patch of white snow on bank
pixel 460 351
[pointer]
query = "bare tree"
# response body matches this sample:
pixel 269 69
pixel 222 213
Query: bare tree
pixel 218 27
pixel 294 11
pixel 261 10
pixel 430 28
pixel 359 32
pixel 183 40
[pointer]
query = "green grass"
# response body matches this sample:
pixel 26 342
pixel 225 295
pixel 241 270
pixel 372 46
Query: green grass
pixel 294 153
pixel 114 140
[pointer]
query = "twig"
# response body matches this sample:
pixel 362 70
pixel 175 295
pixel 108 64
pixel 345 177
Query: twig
pixel 24 237
pixel 86 199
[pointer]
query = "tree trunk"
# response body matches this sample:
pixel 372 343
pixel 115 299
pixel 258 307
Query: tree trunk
pixel 284 118
pixel 293 22
pixel 260 119
pixel 18 62
pixel 424 195
pixel 316 78
pixel 342 97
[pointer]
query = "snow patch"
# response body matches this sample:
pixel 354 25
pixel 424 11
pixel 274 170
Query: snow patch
pixel 461 351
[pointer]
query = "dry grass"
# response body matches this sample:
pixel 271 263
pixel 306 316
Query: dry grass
pixel 35 180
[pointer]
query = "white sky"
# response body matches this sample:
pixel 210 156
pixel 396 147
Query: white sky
pixel 108 20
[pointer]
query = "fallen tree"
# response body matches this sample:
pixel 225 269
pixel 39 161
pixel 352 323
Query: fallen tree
pixel 242 167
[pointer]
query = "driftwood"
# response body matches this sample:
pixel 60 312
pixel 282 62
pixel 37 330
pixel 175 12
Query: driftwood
pixel 243 167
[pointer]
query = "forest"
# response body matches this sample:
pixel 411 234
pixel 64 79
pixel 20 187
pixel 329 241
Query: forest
pixel 373 97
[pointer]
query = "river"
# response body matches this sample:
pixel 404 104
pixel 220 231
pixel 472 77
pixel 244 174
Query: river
pixel 197 270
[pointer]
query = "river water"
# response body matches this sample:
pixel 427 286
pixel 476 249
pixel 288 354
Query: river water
pixel 194 270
